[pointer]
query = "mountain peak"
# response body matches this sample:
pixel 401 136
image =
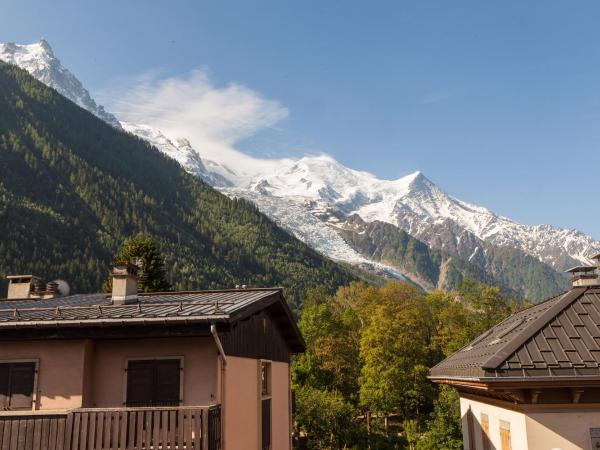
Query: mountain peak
pixel 45 46
pixel 38 59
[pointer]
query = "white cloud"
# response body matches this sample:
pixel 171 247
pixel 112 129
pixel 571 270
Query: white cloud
pixel 212 118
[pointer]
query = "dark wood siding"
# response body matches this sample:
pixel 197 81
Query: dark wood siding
pixel 255 337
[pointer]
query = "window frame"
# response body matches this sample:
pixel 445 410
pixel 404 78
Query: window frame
pixel 504 425
pixel 36 369
pixel 266 393
pixel 155 358
pixel 262 396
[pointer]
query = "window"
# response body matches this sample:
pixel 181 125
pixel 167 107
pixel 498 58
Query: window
pixel 505 435
pixel 265 377
pixel 17 381
pixel 154 382
pixel 485 431
pixel 265 390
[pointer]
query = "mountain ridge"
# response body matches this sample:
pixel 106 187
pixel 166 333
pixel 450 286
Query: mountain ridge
pixel 72 188
pixel 314 196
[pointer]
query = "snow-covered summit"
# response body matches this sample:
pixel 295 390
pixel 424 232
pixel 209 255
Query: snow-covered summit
pixel 417 205
pixel 39 60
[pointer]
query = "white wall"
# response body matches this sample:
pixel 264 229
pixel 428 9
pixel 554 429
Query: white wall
pixel 495 414
pixel 561 430
pixel 534 427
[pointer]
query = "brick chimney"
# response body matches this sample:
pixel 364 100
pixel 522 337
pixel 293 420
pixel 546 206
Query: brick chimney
pixel 125 284
pixel 583 276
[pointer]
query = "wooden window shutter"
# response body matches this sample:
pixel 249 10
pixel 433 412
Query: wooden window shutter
pixel 167 382
pixel 505 435
pixel 4 387
pixel 22 376
pixel 140 383
pixel 266 424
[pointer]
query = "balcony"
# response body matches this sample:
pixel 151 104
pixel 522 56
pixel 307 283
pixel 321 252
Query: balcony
pixel 168 428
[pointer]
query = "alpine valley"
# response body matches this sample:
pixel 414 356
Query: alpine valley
pixel 406 228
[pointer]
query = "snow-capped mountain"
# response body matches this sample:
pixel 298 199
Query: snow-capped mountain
pixel 316 197
pixel 180 150
pixel 416 205
pixel 39 60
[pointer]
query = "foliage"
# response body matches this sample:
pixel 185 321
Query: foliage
pixel 330 419
pixel 444 430
pixel 73 189
pixel 395 351
pixel 142 250
pixel 373 347
pixel 411 431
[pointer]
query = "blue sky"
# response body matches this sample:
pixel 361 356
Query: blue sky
pixel 496 102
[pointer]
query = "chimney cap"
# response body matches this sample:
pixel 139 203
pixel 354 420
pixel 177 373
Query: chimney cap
pixel 124 268
pixel 596 257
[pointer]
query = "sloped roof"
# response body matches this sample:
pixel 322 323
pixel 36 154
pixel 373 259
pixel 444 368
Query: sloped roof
pixel 169 308
pixel 558 337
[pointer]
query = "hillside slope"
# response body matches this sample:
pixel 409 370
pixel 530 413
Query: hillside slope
pixel 72 188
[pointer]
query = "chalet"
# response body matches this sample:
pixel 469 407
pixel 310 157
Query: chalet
pixel 532 382
pixel 202 370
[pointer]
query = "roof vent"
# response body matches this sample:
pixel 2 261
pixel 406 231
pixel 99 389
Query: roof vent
pixel 583 276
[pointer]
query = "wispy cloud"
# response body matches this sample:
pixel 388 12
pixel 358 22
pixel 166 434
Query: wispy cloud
pixel 211 117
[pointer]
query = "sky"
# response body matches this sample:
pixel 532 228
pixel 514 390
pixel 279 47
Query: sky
pixel 496 102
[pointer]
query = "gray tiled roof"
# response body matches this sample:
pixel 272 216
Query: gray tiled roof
pixel 200 305
pixel 559 337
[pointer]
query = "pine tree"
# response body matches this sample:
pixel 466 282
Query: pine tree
pixel 142 251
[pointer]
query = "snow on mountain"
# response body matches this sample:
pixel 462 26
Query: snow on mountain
pixel 313 196
pixel 292 216
pixel 39 60
pixel 179 149
pixel 416 205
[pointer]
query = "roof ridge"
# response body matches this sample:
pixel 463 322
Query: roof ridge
pixel 209 291
pixel 528 332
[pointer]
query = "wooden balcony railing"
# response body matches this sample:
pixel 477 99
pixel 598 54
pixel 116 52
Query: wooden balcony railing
pixel 177 428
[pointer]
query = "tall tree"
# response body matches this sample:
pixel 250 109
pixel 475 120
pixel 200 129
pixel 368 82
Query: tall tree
pixel 395 350
pixel 142 251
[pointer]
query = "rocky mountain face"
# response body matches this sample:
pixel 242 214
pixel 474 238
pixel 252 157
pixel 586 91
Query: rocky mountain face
pixel 353 216
pixel 38 59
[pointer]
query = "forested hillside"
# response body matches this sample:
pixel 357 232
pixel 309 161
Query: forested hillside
pixel 72 188
pixel 516 273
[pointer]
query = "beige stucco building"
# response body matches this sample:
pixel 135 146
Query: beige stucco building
pixel 532 382
pixel 203 370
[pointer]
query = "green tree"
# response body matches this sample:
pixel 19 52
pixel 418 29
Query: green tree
pixel 411 432
pixel 143 251
pixel 395 350
pixel 325 418
pixel 444 430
